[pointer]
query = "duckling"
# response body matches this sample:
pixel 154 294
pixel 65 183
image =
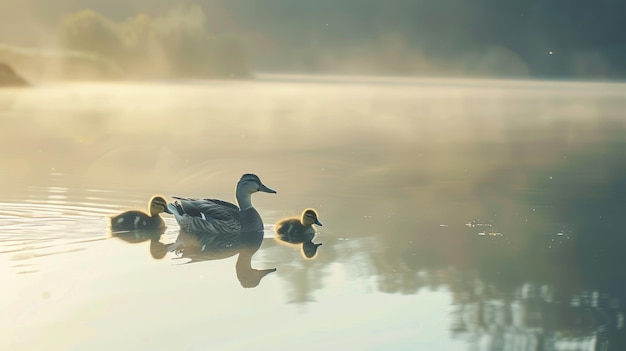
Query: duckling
pixel 297 231
pixel 134 220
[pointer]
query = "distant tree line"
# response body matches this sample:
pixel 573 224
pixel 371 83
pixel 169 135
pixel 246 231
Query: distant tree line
pixel 537 38
pixel 176 45
pixel 515 38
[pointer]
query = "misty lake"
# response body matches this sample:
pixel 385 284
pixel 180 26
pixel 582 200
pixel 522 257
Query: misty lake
pixel 457 214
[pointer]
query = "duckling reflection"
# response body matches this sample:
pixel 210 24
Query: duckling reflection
pixel 207 246
pixel 309 249
pixel 299 231
pixel 133 220
pixel 158 250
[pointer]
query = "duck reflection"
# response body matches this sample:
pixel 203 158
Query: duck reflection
pixel 204 247
pixel 299 232
pixel 158 250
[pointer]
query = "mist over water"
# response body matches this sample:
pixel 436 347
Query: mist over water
pixel 458 214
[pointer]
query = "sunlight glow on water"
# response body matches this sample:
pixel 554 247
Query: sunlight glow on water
pixel 458 214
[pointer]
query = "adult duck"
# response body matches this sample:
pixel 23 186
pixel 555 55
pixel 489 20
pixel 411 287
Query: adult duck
pixel 217 217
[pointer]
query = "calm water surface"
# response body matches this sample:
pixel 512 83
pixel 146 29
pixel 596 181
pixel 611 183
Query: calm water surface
pixel 458 215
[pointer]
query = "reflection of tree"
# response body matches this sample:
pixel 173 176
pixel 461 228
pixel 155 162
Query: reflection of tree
pixel 401 275
pixel 533 318
pixel 496 307
pixel 532 286
pixel 304 276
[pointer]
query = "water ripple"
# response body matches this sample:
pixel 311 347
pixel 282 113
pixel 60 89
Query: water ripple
pixel 49 221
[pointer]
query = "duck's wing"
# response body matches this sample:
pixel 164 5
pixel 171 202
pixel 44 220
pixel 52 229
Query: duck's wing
pixel 209 215
pixel 213 208
pixel 225 204
pixel 187 206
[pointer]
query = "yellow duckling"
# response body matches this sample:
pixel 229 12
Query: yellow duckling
pixel 134 220
pixel 300 231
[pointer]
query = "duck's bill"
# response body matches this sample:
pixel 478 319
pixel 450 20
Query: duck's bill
pixel 167 210
pixel 318 223
pixel 265 189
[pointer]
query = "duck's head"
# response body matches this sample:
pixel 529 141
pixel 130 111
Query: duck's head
pixel 158 205
pixel 309 249
pixel 309 216
pixel 250 184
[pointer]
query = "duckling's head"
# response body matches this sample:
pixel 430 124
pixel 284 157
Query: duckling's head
pixel 309 249
pixel 251 183
pixel 158 205
pixel 309 217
